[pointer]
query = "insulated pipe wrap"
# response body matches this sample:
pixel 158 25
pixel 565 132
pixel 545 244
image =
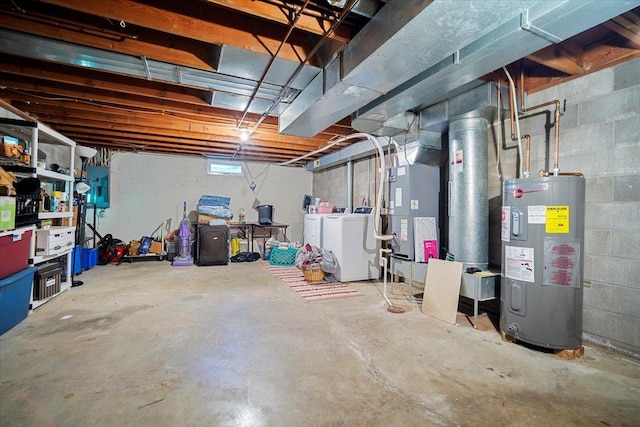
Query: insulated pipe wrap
pixel 468 200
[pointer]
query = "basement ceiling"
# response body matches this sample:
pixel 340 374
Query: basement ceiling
pixel 184 77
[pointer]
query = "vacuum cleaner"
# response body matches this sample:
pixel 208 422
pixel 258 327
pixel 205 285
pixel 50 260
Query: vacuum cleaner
pixel 184 257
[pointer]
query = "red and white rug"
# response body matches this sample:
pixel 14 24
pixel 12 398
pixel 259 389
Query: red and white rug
pixel 317 291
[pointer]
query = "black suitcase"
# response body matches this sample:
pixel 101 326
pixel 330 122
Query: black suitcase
pixel 212 245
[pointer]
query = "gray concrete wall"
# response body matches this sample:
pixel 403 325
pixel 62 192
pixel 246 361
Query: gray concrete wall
pixel 331 184
pixel 600 137
pixel 147 188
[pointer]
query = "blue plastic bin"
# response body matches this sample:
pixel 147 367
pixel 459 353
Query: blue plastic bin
pixel 89 258
pixel 15 294
pixel 76 260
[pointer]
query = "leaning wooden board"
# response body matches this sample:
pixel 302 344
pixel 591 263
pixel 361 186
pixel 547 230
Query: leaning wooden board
pixel 442 290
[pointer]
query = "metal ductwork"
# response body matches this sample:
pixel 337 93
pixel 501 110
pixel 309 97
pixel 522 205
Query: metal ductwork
pixel 238 70
pixel 403 40
pixel 356 151
pixel 366 8
pixel 468 201
pixel 521 34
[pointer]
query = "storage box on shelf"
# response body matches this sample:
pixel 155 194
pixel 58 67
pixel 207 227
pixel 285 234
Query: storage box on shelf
pixel 7 213
pixel 27 207
pixel 47 281
pixel 55 241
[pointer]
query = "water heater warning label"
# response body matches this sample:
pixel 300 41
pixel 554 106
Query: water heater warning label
pixel 557 220
pixel 519 263
pixel 561 263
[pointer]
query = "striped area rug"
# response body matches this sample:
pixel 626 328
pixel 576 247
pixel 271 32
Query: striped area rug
pixel 318 291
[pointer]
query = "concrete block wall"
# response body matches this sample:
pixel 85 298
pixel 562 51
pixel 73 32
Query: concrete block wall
pixel 331 184
pixel 146 189
pixel 600 137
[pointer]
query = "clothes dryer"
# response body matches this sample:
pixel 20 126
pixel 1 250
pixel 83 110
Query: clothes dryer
pixel 313 228
pixel 350 238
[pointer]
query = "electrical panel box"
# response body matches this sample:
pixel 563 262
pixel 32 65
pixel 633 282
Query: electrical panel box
pixel 98 180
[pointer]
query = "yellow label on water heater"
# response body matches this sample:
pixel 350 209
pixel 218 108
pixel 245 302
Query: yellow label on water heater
pixel 557 219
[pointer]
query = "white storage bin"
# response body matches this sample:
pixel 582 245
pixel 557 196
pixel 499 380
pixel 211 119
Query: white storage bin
pixel 55 240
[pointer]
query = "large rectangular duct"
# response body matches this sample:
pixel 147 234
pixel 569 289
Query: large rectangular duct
pixel 403 39
pixel 515 38
pixel 238 70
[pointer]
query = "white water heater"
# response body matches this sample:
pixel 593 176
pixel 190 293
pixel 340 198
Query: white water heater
pixel 542 260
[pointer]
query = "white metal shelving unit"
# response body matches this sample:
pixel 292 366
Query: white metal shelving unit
pixel 24 127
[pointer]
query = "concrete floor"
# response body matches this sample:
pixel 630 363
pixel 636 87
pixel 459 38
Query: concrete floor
pixel 148 344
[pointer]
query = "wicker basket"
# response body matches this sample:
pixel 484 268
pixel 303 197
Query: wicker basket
pixel 10 150
pixel 313 274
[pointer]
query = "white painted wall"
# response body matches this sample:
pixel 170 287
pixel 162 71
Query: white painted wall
pixel 146 189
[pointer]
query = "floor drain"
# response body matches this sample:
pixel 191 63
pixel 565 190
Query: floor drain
pixel 396 309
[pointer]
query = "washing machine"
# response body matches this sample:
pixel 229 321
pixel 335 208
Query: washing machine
pixel 313 228
pixel 350 238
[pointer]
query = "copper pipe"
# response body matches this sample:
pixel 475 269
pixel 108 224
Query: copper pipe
pixel 543 174
pixel 556 123
pixel 527 157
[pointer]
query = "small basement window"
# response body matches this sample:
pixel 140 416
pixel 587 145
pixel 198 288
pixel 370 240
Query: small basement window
pixel 217 167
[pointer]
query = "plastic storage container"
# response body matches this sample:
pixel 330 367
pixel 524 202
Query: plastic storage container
pixel 46 282
pixel 14 252
pixel 89 258
pixel 15 293
pixel 283 257
pixel 76 260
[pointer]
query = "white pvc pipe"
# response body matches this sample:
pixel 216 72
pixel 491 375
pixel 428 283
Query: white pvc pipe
pixel 384 270
pixel 311 153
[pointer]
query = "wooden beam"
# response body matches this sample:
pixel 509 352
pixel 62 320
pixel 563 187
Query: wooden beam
pixel 205 133
pixel 626 28
pixel 558 58
pixel 197 21
pixel 152 44
pixel 595 59
pixel 282 12
pixel 84 78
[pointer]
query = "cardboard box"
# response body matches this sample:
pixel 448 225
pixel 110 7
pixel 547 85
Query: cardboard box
pixel 134 247
pixel 155 248
pixel 204 219
pixel 74 219
pixel 7 213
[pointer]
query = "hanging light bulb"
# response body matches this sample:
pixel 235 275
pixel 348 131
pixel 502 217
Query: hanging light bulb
pixel 244 135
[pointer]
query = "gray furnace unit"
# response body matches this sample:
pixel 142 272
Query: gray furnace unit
pixel 414 193
pixel 542 260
